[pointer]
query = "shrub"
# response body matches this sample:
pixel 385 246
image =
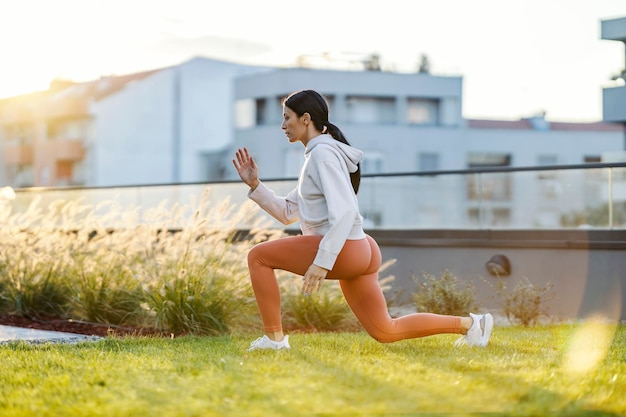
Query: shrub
pixel 33 280
pixel 525 302
pixel 323 311
pixel 596 216
pixel 105 291
pixel 206 299
pixel 106 264
pixel 444 295
pixel 36 294
pixel 326 310
pixel 196 279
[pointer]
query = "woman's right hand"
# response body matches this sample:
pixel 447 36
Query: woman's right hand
pixel 246 168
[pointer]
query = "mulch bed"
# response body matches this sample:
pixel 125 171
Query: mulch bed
pixel 78 327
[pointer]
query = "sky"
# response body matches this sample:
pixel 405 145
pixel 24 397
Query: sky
pixel 517 58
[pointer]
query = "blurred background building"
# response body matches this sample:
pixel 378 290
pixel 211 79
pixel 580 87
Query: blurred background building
pixel 180 124
pixel 614 97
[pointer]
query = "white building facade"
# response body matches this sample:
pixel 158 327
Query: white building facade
pixel 407 123
pixel 163 129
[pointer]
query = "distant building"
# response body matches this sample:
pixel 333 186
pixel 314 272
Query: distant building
pixel 181 124
pixel 413 122
pixel 406 123
pixel 158 126
pixel 614 97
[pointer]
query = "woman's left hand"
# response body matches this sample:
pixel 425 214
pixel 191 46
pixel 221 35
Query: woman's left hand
pixel 313 279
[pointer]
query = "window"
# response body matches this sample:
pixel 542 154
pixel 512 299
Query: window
pixel 547 160
pixel 64 170
pixel 19 133
pixel 244 113
pixel 422 112
pixel 489 217
pixel 487 159
pixel 428 161
pixel 261 111
pixel 372 162
pixel 371 110
pixel 330 100
pixel 489 186
pixel 24 176
pixel 543 160
pixel 593 173
pixel 550 188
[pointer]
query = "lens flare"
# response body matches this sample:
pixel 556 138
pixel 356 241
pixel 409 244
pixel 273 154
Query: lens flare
pixel 589 345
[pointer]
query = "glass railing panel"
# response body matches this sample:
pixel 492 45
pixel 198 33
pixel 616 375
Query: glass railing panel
pixel 617 193
pixel 412 202
pixel 519 199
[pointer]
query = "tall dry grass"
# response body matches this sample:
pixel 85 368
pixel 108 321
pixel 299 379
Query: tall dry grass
pixel 176 268
pixel 66 261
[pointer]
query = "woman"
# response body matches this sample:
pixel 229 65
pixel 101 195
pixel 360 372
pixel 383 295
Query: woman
pixel 333 244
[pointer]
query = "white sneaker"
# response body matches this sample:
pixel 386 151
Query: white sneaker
pixel 480 331
pixel 267 343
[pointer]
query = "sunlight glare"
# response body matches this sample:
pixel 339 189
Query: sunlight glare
pixel 589 345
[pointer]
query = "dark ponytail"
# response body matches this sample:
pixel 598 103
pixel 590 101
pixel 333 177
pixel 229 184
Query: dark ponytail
pixel 310 101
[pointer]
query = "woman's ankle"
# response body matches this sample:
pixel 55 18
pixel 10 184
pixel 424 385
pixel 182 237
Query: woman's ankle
pixel 466 323
pixel 276 336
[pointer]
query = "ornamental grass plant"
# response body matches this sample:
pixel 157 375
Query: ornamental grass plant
pixel 326 310
pixel 130 267
pixel 68 261
pixel 445 294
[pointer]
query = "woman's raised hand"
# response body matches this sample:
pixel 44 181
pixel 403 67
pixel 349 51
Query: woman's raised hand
pixel 246 168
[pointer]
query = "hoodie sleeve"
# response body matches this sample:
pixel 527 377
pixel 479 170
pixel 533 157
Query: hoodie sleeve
pixel 333 180
pixel 283 209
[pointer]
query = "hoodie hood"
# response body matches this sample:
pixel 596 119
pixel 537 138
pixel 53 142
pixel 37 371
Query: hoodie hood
pixel 352 156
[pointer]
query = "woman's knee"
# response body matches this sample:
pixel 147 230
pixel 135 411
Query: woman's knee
pixel 255 253
pixel 380 336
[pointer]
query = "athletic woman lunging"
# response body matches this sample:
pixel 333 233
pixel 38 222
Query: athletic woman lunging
pixel 333 244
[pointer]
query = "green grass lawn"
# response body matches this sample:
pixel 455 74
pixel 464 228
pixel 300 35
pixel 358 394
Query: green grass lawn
pixel 565 369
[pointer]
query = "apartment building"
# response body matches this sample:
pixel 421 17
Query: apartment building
pixel 413 122
pixel 181 124
pixel 158 126
pixel 614 97
pixel 46 137
pixel 407 123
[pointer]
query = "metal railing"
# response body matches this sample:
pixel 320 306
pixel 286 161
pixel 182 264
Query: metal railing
pixel 546 197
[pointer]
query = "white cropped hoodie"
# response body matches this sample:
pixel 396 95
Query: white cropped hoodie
pixel 323 200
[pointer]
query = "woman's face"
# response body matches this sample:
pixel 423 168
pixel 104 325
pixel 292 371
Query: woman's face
pixel 294 126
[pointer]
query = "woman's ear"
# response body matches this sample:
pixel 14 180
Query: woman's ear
pixel 306 119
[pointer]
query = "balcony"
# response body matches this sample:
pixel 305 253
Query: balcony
pixel 66 150
pixel 69 107
pixel 18 155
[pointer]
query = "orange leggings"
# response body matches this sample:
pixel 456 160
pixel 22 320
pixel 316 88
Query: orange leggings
pixel 357 269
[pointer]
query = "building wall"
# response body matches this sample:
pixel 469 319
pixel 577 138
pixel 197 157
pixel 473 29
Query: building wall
pixel 158 130
pixel 586 269
pixel 614 97
pixel 398 146
pixel 394 141
pixel 133 134
pixel 180 124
